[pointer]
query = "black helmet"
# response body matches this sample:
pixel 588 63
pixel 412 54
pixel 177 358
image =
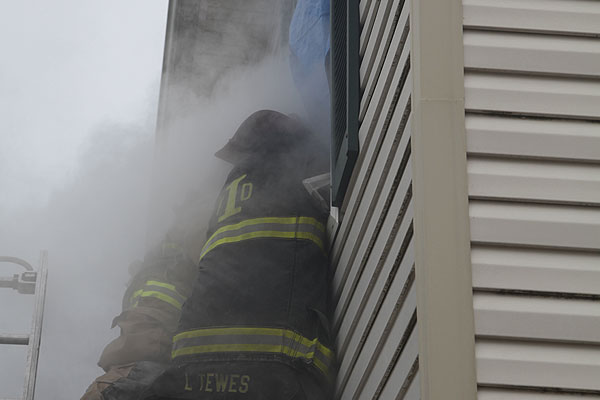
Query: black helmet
pixel 262 133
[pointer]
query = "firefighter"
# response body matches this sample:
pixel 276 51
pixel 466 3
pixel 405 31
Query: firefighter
pixel 151 310
pixel 255 326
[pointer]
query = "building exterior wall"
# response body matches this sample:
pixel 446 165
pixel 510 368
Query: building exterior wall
pixel 372 249
pixel 205 40
pixel 523 136
pixel 532 129
pixel 532 85
pixel 440 192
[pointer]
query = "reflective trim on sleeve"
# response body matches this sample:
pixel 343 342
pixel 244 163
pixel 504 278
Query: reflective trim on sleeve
pixel 305 228
pixel 136 294
pixel 253 340
pixel 162 285
pixel 171 247
pixel 159 290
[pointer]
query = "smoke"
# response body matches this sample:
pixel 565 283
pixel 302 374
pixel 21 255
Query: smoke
pixel 102 219
pixel 120 198
pixel 93 227
pixel 204 124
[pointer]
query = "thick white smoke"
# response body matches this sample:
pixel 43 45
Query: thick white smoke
pixel 91 227
pixel 98 222
pixel 65 67
pixel 205 124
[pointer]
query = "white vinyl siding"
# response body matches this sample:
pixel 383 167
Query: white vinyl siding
pixel 372 251
pixel 508 394
pixel 563 17
pixel 532 99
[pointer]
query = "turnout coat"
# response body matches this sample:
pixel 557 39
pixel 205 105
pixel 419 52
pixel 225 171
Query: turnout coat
pixel 261 290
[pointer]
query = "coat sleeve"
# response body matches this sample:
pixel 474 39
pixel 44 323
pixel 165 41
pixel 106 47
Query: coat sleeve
pixel 151 310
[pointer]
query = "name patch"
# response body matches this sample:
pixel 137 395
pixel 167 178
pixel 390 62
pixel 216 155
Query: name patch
pixel 217 382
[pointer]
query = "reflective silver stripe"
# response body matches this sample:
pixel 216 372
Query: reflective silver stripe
pixel 253 340
pixel 305 228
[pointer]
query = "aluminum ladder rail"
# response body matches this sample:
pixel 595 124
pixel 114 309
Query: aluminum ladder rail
pixel 29 282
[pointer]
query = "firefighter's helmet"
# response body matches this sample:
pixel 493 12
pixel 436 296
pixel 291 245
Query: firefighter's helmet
pixel 263 133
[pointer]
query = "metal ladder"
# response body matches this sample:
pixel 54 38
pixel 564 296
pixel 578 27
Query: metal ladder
pixel 28 282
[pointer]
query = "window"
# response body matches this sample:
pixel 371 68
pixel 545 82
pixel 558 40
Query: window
pixel 345 95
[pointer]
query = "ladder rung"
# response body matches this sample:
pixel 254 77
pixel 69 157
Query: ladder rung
pixel 8 338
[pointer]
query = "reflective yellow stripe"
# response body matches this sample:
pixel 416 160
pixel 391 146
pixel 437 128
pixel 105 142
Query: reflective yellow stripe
pixel 270 220
pixel 309 236
pixel 309 343
pixel 322 367
pixel 250 235
pixel 170 245
pixel 233 331
pixel 175 299
pixel 162 284
pixel 253 331
pixel 289 232
pixel 311 221
pixel 136 294
pixel 163 297
pixel 184 343
pixel 224 348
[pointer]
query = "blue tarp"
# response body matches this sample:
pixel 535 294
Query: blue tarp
pixel 309 46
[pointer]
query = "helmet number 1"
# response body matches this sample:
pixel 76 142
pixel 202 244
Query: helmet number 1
pixel 231 206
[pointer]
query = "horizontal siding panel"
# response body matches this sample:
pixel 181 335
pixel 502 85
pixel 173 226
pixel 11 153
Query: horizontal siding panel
pixel 371 126
pixel 535 225
pixel 507 394
pixel 377 44
pixel 536 138
pixel 399 380
pixel 531 364
pixel 551 96
pixel 368 13
pixel 391 324
pixel 359 280
pixel 352 336
pixel 541 270
pixel 532 53
pixel 372 40
pixel 414 390
pixel 379 262
pixel 362 239
pixel 363 7
pixel 391 56
pixel 373 153
pixel 401 90
pixel 542 181
pixel 532 100
pixel 394 279
pixel 383 179
pixel 543 318
pixel 581 17
pixel 395 272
